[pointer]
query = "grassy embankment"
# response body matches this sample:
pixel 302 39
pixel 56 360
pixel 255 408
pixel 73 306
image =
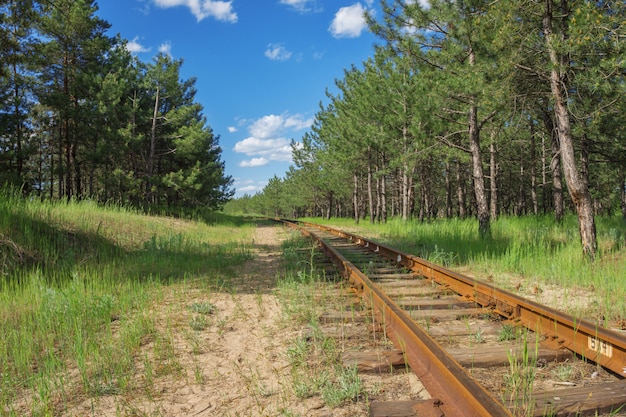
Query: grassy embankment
pixel 524 254
pixel 77 284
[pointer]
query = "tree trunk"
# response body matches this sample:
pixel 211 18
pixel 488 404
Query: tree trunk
pixel 482 208
pixel 405 192
pixel 493 173
pixel 448 191
pixel 383 194
pixel 370 194
pixel 460 190
pixel 355 197
pixel 533 171
pixel 577 186
pixel 555 168
pixel 152 154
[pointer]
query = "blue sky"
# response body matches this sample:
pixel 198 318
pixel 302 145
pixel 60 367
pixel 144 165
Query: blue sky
pixel 262 66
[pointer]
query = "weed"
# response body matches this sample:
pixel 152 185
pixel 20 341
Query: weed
pixel 506 333
pixel 348 386
pixel 198 323
pixel 203 307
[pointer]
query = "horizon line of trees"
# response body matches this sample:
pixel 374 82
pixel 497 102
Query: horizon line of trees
pixel 81 117
pixel 470 108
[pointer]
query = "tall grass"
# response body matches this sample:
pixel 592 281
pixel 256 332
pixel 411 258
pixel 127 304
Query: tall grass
pixel 77 282
pixel 531 247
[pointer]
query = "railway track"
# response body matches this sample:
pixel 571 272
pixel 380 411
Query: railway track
pixel 478 350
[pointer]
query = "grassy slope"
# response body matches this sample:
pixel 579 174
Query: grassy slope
pixel 76 285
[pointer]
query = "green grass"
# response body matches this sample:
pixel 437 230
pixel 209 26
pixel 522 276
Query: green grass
pixel 77 284
pixel 532 247
pixel 305 293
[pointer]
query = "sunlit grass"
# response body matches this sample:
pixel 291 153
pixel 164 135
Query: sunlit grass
pixel 535 248
pixel 77 284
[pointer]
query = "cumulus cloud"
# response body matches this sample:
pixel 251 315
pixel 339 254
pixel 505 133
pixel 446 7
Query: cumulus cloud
pixel 274 125
pixel 135 47
pixel 254 162
pixel 232 129
pixel 277 52
pixel 349 22
pixel 269 149
pixel 201 9
pixel 267 142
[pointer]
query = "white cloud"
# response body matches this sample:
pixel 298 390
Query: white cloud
pixel 247 186
pixel 274 125
pixel 166 48
pixel 135 47
pixel 249 189
pixel 201 9
pixel 302 6
pixel 232 129
pixel 297 122
pixel 267 140
pixel 267 126
pixel 270 149
pixel 254 162
pixel 277 52
pixel 349 22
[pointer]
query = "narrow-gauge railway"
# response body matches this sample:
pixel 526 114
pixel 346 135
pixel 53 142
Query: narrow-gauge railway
pixel 440 322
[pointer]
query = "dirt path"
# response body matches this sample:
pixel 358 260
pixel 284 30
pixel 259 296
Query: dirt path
pixel 231 362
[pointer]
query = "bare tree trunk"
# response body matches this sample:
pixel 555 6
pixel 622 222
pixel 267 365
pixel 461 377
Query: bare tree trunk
pixel 448 191
pixel 370 194
pixel 544 176
pixel 355 197
pixel 493 173
pixel 460 190
pixel 578 189
pixel 383 194
pixel 555 167
pixel 152 154
pixel 405 192
pixel 533 171
pixel 482 208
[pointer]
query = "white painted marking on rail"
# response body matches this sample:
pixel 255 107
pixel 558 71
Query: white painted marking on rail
pixel 600 346
pixel 377 249
pixel 367 245
pixel 399 258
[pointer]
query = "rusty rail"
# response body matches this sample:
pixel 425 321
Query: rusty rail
pixel 593 342
pixel 456 392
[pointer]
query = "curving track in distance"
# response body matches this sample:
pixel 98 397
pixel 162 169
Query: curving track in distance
pixel 436 317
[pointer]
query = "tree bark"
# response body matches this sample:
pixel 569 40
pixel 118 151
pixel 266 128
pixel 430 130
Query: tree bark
pixel 383 194
pixel 555 168
pixel 482 208
pixel 460 191
pixel 152 152
pixel 448 191
pixel 493 173
pixel 533 171
pixel 370 194
pixel 355 197
pixel 577 186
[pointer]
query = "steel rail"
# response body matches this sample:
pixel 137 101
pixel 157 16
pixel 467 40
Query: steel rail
pixel 591 341
pixel 456 392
